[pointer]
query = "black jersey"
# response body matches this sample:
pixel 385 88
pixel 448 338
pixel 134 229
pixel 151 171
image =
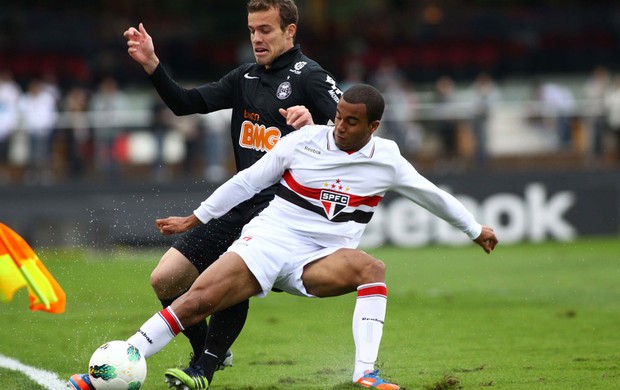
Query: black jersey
pixel 255 94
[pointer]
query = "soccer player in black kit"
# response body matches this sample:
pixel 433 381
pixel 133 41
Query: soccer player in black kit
pixel 281 92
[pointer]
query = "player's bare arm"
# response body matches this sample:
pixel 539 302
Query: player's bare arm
pixel 487 239
pixel 297 116
pixel 173 225
pixel 141 48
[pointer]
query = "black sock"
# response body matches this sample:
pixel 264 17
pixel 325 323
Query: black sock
pixel 196 334
pixel 224 328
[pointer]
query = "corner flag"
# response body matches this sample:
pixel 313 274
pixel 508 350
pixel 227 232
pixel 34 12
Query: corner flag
pixel 20 267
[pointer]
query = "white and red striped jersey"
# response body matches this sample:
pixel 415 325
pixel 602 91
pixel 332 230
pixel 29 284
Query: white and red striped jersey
pixel 326 192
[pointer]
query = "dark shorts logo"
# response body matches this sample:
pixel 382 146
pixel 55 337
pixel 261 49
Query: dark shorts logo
pixel 333 202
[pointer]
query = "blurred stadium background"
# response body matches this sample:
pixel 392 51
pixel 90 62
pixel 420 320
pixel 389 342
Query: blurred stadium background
pixel 512 105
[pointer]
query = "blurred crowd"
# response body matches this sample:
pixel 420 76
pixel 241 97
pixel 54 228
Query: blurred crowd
pixel 425 38
pixel 50 134
pixel 74 106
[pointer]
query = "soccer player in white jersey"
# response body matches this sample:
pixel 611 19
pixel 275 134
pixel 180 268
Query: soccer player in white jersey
pixel 331 180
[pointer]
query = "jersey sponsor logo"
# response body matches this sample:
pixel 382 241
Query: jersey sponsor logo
pixel 284 90
pixel 247 76
pixel 334 91
pixel 258 137
pixel 253 116
pixel 333 202
pixel 298 67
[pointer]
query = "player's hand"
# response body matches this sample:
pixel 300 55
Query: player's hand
pixel 487 239
pixel 297 116
pixel 141 48
pixel 173 225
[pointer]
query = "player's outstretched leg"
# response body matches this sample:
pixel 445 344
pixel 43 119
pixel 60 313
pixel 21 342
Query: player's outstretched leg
pixel 80 382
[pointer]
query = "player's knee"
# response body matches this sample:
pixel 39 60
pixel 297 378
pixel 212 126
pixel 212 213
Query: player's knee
pixel 165 285
pixel 373 271
pixel 172 277
pixel 157 283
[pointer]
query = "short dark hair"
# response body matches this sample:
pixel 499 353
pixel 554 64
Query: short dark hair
pixel 368 95
pixel 287 8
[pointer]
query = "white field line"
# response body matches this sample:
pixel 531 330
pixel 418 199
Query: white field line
pixel 47 379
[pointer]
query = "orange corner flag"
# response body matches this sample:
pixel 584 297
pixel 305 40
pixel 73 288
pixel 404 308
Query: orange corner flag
pixel 20 267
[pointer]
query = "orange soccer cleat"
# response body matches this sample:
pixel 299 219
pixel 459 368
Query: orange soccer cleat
pixel 371 379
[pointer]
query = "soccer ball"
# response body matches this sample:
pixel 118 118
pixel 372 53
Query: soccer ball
pixel 117 365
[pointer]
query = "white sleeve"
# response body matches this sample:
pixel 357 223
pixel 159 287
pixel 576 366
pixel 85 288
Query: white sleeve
pixel 247 183
pixel 411 184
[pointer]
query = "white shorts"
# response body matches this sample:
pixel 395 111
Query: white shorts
pixel 277 255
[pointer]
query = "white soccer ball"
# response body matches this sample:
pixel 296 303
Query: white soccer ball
pixel 117 365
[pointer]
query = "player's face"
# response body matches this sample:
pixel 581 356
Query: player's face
pixel 352 130
pixel 268 39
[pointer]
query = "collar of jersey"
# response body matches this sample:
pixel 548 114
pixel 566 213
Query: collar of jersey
pixel 367 150
pixel 286 58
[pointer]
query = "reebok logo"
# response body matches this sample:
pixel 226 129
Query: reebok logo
pixel 145 336
pixel 312 150
pixel 372 319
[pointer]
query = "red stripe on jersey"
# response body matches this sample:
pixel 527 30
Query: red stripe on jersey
pixel 171 321
pixel 314 193
pixel 373 290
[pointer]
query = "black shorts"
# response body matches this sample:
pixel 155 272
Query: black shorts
pixel 207 242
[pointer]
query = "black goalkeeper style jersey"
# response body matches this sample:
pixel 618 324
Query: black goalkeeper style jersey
pixel 255 95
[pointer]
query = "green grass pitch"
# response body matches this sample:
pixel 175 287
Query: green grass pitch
pixel 528 316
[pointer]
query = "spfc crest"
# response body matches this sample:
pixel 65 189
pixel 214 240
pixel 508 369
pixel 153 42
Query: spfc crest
pixel 333 202
pixel 284 90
